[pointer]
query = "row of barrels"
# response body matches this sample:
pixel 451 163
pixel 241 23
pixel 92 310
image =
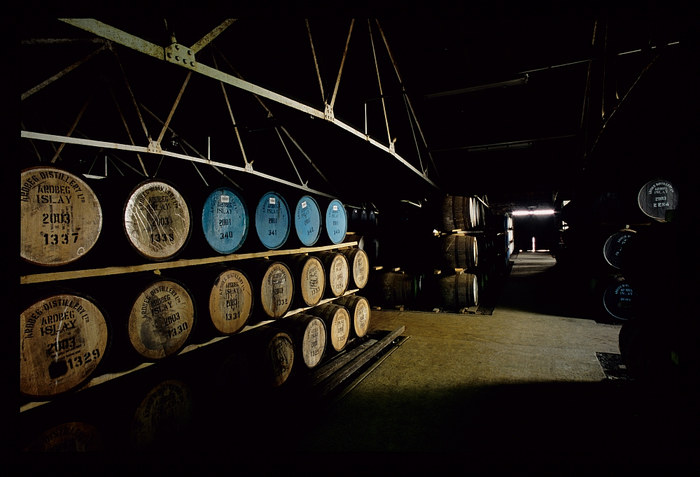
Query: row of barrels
pixel 64 335
pixel 171 406
pixel 453 291
pixel 62 219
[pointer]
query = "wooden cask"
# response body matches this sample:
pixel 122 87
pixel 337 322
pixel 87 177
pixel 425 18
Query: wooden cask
pixel 60 216
pixel 67 438
pixel 157 220
pixel 337 272
pixel 615 246
pixel 308 221
pixel 309 335
pixel 359 311
pixel 338 325
pixel 394 287
pixel 63 339
pixel 460 251
pixel 309 277
pixel 278 358
pixel 618 300
pixel 231 301
pixel 274 285
pixel 225 220
pixel 161 417
pixel 161 319
pixel 358 261
pixel 459 290
pixel 272 220
pixel 336 221
pixel 656 198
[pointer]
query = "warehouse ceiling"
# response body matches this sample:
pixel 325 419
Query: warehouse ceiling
pixel 515 105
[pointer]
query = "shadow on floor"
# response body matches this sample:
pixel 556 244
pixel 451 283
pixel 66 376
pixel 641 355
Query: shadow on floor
pixel 536 284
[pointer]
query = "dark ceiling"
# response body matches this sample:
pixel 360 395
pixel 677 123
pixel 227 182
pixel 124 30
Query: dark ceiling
pixel 510 101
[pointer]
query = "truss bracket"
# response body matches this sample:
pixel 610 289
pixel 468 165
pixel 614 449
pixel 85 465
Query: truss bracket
pixel 328 113
pixel 180 55
pixel 154 147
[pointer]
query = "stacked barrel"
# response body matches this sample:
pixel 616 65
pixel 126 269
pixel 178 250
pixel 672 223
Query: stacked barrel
pixel 628 250
pixel 473 244
pixel 117 319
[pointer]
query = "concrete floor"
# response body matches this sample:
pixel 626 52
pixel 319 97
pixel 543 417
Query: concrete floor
pixel 520 390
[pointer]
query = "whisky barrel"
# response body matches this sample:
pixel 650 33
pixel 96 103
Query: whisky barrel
pixel 459 221
pixel 309 277
pixel 618 300
pixel 272 220
pixel 308 333
pixel 338 325
pixel 225 220
pixel 360 313
pixel 274 285
pixel 615 245
pixel 278 357
pixel 60 216
pixel 161 319
pixel 337 272
pixel 336 221
pixel 163 414
pixel 460 251
pixel 308 220
pixel 656 198
pixel 358 261
pixel 68 437
pixel 459 290
pixel 157 220
pixel 63 339
pixel 231 301
pixel 394 287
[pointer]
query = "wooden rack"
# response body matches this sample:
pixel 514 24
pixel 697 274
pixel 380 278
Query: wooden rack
pixel 156 267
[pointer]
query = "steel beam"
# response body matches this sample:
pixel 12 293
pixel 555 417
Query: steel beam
pixel 158 52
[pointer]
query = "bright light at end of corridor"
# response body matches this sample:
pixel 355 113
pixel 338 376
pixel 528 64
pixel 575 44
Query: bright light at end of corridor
pixel 534 212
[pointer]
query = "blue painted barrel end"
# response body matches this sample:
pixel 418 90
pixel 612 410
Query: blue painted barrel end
pixel 272 220
pixel 307 220
pixel 225 220
pixel 336 221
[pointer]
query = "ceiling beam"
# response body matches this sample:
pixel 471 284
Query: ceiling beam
pixel 185 58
